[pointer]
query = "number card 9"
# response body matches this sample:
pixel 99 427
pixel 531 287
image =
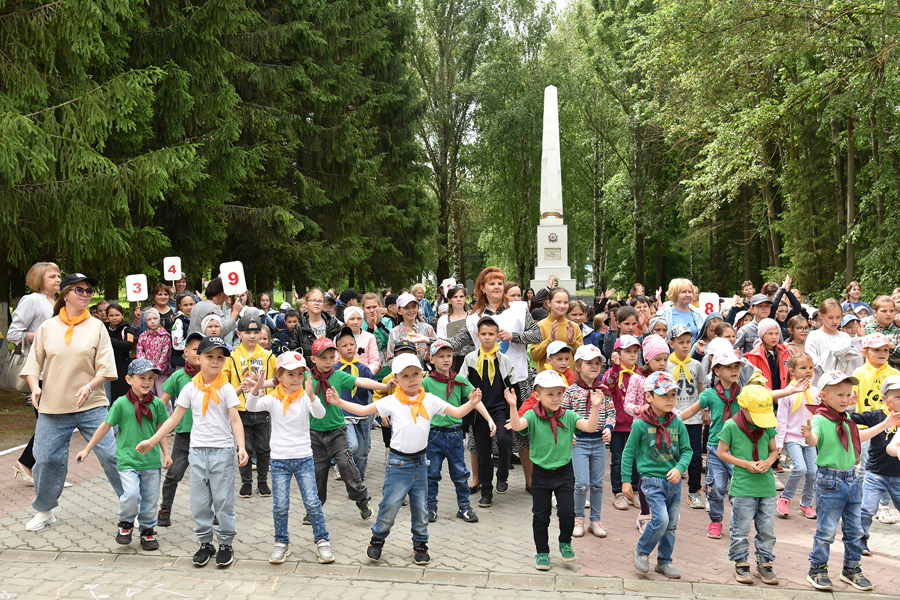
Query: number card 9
pixel 233 280
pixel 136 287
pixel 172 268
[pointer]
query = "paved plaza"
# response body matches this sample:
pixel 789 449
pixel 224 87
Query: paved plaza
pixel 79 558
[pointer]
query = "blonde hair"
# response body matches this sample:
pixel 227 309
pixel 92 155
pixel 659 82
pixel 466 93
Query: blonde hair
pixel 829 304
pixel 417 287
pixel 676 286
pixel 34 279
pixel 371 296
pixel 881 300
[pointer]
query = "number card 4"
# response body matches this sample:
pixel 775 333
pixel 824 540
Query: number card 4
pixel 136 287
pixel 233 280
pixel 709 302
pixel 172 268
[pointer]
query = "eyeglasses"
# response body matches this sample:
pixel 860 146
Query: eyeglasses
pixel 801 328
pixel 315 301
pixel 83 291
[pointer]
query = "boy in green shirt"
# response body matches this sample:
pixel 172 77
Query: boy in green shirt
pixel 660 444
pixel 139 414
pixel 552 430
pixel 747 441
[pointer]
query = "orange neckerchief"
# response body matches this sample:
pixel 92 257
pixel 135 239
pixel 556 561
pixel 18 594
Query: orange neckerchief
pixel 211 391
pixel 286 398
pixel 64 317
pixel 415 404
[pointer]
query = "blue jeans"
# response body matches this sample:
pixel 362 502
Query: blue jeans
pixel 403 476
pixel 804 461
pixel 359 438
pixel 874 488
pixel 51 453
pixel 838 499
pixel 140 495
pixel 303 469
pixel 449 443
pixel 664 498
pixel 212 484
pixel 718 474
pixel 589 462
pixel 760 512
pixel 863 459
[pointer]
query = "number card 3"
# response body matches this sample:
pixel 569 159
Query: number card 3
pixel 172 268
pixel 709 302
pixel 136 287
pixel 233 277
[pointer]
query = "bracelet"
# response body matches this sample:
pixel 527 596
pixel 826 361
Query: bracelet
pixel 88 387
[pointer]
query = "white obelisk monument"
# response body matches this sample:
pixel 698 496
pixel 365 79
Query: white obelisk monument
pixel 552 234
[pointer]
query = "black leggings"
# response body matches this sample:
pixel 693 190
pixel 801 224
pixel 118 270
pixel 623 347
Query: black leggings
pixel 27 457
pixel 483 442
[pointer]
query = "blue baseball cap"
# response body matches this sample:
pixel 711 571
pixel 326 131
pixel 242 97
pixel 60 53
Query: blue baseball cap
pixel 661 383
pixel 847 318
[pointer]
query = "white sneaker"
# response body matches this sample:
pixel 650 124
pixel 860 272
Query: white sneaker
pixel 779 487
pixel 40 520
pixel 281 552
pixel 587 502
pixel 578 531
pixel 553 500
pixel 596 527
pixel 695 500
pixel 323 551
pixel 885 516
pixel 337 473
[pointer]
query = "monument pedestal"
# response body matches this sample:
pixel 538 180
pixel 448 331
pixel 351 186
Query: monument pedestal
pixel 552 256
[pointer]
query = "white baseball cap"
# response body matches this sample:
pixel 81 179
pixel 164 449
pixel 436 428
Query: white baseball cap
pixel 405 299
pixel 557 346
pixel 404 361
pixel 587 352
pixel 550 379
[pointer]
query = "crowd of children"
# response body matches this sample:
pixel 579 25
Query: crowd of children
pixel 654 385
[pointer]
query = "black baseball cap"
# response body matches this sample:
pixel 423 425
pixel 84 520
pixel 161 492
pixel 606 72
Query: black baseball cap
pixel 348 295
pixel 344 331
pixel 73 278
pixel 196 335
pixel 249 323
pixel 391 299
pixel 212 342
pixel 403 346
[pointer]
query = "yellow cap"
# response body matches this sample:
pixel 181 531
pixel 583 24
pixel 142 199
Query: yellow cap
pixel 758 400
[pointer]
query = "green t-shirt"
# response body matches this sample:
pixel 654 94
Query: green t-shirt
pixel 544 452
pixel 173 386
pixel 745 484
pixel 710 400
pixel 831 452
pixel 334 416
pixel 121 413
pixel 652 461
pixel 462 390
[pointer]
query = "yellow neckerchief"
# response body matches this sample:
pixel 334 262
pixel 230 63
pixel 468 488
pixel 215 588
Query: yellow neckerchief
pixel 798 398
pixel 64 317
pixel 211 391
pixel 681 367
pixel 887 411
pixel 353 371
pixel 547 367
pixel 878 372
pixel 624 370
pixel 488 357
pixel 415 404
pixel 285 397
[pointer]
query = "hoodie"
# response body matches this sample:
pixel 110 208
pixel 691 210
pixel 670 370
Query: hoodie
pixel 696 353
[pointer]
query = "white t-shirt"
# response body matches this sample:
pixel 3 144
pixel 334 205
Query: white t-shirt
pixel 407 436
pixel 290 432
pixel 214 429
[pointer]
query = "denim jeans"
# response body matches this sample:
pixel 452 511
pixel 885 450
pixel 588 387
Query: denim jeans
pixel 359 440
pixel 546 483
pixel 140 496
pixel 328 445
pixel 257 432
pixel 449 443
pixel 181 447
pixel 718 474
pixel 51 453
pixel 761 513
pixel 885 499
pixel 589 462
pixel 804 461
pixel 664 498
pixel 303 469
pixel 874 488
pixel 212 484
pixel 838 499
pixel 404 476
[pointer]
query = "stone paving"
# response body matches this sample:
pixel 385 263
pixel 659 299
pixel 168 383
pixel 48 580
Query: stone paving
pixel 495 554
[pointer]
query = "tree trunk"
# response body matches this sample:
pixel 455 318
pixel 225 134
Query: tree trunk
pixel 837 163
pixel 773 235
pixel 638 205
pixel 111 287
pixel 851 202
pixel 4 300
pixel 748 230
pixel 658 265
pixel 876 159
pixel 598 241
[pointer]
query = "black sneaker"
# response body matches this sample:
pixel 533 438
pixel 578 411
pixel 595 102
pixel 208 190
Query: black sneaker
pixel 432 515
pixel 421 553
pixel 742 572
pixel 854 576
pixel 467 514
pixel 225 556
pixel 246 490
pixel 818 577
pixel 148 539
pixel 306 519
pixel 474 489
pixel 263 489
pixel 373 552
pixel 365 511
pixel 528 489
pixel 124 535
pixel 485 502
pixel 765 572
pixel 215 520
pixel 865 548
pixel 502 487
pixel 164 518
pixel 206 552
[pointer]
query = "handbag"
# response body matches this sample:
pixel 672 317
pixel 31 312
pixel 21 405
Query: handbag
pixel 12 366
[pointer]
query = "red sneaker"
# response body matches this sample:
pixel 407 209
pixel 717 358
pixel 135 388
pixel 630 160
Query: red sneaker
pixel 714 531
pixel 808 511
pixel 783 506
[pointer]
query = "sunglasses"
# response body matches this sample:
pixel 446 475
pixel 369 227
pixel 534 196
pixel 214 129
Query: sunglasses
pixel 83 291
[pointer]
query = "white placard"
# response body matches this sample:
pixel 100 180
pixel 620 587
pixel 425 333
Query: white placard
pixel 709 302
pixel 172 268
pixel 136 288
pixel 233 280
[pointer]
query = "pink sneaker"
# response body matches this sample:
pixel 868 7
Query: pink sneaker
pixel 714 531
pixel 783 506
pixel 808 511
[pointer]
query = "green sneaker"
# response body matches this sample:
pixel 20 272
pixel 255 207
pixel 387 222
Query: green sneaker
pixel 568 554
pixel 542 562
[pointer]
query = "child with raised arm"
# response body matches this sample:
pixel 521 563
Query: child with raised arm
pixel 793 412
pixel 139 414
pixel 290 405
pixel 616 379
pixel 660 445
pixel 213 403
pixel 410 409
pixel 552 431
